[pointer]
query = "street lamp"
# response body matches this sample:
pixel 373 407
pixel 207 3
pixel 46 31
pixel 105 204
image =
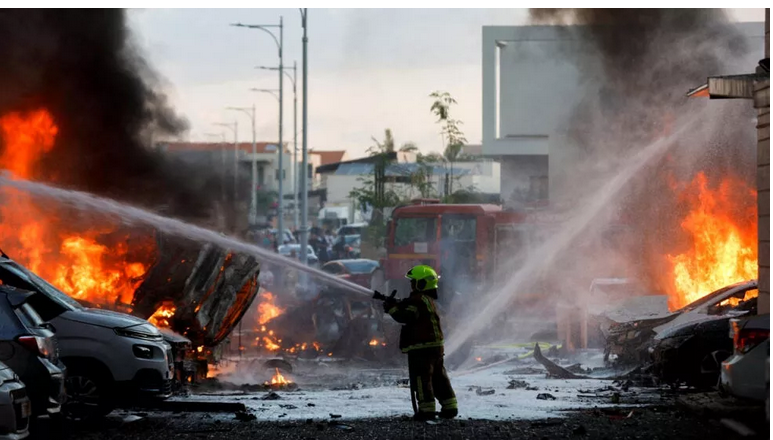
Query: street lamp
pixel 279 43
pixel 294 170
pixel 234 127
pixel 221 135
pixel 305 156
pixel 253 216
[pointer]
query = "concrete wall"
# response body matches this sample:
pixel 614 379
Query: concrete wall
pixel 762 104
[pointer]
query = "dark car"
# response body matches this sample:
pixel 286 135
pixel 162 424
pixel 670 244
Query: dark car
pixel 630 342
pixel 28 346
pixel 366 273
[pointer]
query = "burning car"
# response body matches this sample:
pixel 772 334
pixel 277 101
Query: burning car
pixel 629 342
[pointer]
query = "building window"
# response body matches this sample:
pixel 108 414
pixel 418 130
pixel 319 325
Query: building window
pixel 310 171
pixel 284 174
pixel 261 176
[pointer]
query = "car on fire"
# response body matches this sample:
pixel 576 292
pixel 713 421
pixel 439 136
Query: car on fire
pixel 15 407
pixel 366 273
pixel 28 346
pixel 112 358
pixel 684 342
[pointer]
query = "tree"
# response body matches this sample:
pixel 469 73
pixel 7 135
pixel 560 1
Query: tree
pixel 451 133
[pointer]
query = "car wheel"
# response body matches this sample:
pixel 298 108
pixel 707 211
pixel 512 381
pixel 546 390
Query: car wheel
pixel 87 395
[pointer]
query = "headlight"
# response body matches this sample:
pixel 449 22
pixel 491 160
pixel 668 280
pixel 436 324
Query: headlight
pixel 143 351
pixel 142 331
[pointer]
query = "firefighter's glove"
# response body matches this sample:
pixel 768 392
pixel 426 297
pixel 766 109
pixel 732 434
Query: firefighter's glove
pixel 388 304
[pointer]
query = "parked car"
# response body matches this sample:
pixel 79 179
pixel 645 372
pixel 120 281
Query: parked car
pixel 346 247
pixel 27 345
pixel 111 358
pixel 288 249
pixel 352 229
pixel 366 273
pixel 288 236
pixel 630 341
pixel 742 373
pixel 15 406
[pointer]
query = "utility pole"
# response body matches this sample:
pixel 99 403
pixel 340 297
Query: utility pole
pixel 280 209
pixel 250 112
pixel 294 171
pixel 235 130
pixel 305 156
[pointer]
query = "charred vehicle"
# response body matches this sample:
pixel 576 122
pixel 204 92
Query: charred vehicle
pixel 674 335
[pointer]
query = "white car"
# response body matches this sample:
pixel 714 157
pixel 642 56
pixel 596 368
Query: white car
pixel 744 373
pixel 111 358
pixel 15 407
pixel 289 250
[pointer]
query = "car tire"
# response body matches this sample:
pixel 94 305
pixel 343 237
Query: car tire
pixel 88 391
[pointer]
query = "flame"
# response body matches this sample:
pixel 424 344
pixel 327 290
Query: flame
pixel 732 302
pixel 724 243
pixel 270 344
pixel 162 315
pixel 267 310
pixel 373 342
pixel 278 379
pixel 46 241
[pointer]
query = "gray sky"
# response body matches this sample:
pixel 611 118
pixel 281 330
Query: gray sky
pixel 369 69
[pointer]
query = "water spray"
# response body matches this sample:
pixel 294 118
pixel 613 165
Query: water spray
pixel 132 215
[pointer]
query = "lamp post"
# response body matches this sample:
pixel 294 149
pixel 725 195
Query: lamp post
pixel 294 170
pixel 253 215
pixel 222 156
pixel 305 157
pixel 234 127
pixel 279 43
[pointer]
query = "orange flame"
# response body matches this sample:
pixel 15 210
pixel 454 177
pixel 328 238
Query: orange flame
pixel 724 243
pixel 373 342
pixel 162 315
pixel 278 379
pixel 42 239
pixel 267 310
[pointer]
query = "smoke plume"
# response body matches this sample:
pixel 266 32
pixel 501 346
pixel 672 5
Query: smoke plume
pixel 82 67
pixel 644 61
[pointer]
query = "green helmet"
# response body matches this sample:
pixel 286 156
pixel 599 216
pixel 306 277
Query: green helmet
pixel 426 278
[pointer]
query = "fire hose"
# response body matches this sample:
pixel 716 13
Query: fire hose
pixel 381 297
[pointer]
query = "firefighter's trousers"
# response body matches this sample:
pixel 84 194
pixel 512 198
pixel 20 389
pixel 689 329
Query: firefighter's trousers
pixel 429 380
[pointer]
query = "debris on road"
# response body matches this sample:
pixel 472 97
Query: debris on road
pixel 545 396
pixel 514 384
pixel 271 396
pixel 553 369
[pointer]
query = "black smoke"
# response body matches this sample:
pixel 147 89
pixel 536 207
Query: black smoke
pixel 82 66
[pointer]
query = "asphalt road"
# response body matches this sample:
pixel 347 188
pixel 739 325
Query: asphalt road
pixel 612 424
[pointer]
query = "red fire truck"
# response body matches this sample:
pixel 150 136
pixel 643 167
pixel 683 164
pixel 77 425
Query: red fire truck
pixel 470 245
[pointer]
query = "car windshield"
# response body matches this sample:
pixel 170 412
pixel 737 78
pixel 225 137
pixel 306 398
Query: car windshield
pixel 363 266
pixel 349 239
pixel 41 285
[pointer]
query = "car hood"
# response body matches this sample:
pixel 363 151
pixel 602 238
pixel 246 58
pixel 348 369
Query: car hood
pixel 103 318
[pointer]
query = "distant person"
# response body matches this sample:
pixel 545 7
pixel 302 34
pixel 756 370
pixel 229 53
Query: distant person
pixel 421 337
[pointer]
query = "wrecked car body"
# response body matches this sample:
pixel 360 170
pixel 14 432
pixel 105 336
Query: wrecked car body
pixel 687 345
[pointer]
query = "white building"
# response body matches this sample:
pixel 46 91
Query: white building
pixel 531 86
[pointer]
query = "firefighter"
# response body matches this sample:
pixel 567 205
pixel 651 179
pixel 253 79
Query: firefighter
pixel 422 339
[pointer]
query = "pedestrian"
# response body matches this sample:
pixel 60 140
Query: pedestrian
pixel 421 337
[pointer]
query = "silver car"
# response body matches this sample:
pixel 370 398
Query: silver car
pixel 743 373
pixel 15 406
